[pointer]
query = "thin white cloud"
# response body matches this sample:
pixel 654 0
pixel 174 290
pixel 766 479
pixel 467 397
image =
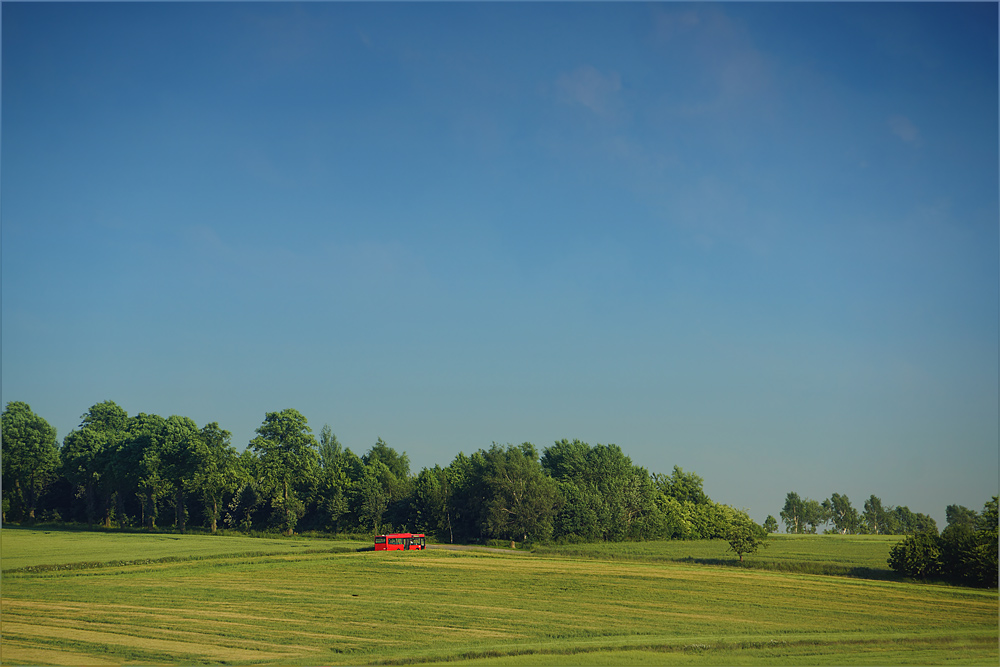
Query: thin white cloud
pixel 668 25
pixel 591 88
pixel 720 49
pixel 904 128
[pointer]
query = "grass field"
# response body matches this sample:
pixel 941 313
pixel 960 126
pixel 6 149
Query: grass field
pixel 849 555
pixel 21 547
pixel 329 604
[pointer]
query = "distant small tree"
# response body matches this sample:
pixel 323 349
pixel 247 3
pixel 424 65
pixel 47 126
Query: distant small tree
pixel 771 524
pixel 746 537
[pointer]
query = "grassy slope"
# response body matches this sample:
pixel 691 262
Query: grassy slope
pixel 357 608
pixel 857 555
pixel 24 547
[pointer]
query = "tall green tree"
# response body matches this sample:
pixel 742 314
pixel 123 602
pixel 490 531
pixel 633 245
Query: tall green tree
pixel 813 514
pixel 30 458
pixel 218 474
pixel 334 484
pixel 959 515
pixel 432 502
pixel 181 459
pixel 793 513
pixel 602 495
pixel 686 487
pixel 875 516
pixel 92 459
pixel 372 496
pixel 520 498
pixel 289 459
pixel 844 516
pixel 144 450
pixel 398 464
pixel 82 463
pixel 396 482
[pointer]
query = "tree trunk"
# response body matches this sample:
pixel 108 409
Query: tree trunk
pixel 88 494
pixel 108 500
pixel 150 502
pixel 181 519
pixel 215 514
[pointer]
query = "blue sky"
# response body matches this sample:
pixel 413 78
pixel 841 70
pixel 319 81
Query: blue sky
pixel 758 241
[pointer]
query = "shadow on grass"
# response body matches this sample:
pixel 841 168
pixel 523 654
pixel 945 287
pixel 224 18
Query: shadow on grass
pixel 803 567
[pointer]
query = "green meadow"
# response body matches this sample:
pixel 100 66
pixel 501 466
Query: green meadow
pixel 239 600
pixel 850 555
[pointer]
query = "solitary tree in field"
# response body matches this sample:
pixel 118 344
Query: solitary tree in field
pixel 745 537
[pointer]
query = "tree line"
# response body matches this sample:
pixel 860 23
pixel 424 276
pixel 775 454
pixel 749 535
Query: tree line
pixel 805 515
pixel 965 552
pixel 146 470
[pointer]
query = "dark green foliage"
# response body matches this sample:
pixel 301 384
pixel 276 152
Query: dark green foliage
pixel 289 460
pixel 218 473
pixel 875 517
pixel 124 471
pixel 432 510
pixel 684 487
pixel 603 496
pixel 745 537
pixel 519 499
pixel 917 556
pixel 30 460
pixel 839 510
pixel 965 552
pixel 398 464
pixel 793 513
pixel 957 515
pixel 804 515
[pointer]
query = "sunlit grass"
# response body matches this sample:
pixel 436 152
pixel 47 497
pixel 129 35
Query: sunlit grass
pixel 849 555
pixel 367 608
pixel 24 547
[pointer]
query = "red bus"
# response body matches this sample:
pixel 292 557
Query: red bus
pixel 399 542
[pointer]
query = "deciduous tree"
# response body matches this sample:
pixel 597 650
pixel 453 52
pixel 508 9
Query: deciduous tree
pixel 745 537
pixel 875 516
pixel 217 474
pixel 520 497
pixel 844 516
pixel 793 513
pixel 289 458
pixel 30 457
